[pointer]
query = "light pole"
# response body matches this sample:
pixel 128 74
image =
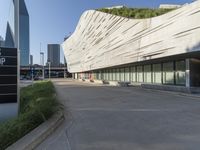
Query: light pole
pixel 49 69
pixel 42 60
pixel 42 63
pixel 16 19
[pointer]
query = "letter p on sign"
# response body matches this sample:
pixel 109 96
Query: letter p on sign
pixel 2 61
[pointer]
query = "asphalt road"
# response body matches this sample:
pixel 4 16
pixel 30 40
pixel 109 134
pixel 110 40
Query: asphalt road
pixel 124 118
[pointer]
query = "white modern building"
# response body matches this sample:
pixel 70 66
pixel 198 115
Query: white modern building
pixel 163 50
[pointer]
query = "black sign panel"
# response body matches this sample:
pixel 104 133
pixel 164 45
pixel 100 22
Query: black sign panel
pixel 8 75
pixel 8 51
pixel 8 61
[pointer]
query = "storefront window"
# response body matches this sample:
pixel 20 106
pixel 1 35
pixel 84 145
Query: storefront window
pixel 147 74
pixel 180 72
pixel 117 74
pixel 103 74
pixel 133 74
pixel 157 74
pixel 127 74
pixel 107 76
pixel 111 75
pixel 122 74
pixel 139 74
pixel 168 73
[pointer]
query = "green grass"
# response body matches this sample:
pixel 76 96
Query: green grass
pixel 135 13
pixel 38 103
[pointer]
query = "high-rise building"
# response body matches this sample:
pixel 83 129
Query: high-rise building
pixel 9 40
pixel 53 54
pixel 23 31
pixel 31 60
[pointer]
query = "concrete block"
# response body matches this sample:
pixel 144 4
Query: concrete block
pixel 98 81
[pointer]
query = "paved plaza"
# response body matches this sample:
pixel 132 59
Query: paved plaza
pixel 124 118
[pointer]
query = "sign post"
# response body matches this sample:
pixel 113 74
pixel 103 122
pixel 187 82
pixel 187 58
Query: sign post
pixel 8 82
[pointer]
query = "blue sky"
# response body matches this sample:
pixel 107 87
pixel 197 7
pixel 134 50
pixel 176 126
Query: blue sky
pixel 52 20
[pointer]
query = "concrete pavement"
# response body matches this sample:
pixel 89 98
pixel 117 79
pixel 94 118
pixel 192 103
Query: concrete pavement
pixel 121 118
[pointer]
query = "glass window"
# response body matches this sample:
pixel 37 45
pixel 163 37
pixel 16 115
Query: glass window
pixel 103 74
pixel 168 73
pixel 114 74
pixel 122 74
pixel 147 74
pixel 110 75
pixel 79 75
pixel 88 75
pixel 127 74
pixel 85 75
pixel 180 72
pixel 157 73
pixel 139 74
pixel 93 75
pixel 107 74
pixel 133 74
pixel 117 74
pixel 100 75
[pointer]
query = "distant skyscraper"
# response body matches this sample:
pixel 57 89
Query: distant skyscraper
pixel 23 31
pixel 9 40
pixel 31 60
pixel 53 54
pixel 24 34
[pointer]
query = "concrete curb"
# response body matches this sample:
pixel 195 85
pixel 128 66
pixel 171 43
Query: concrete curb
pixel 190 95
pixel 39 134
pixel 171 92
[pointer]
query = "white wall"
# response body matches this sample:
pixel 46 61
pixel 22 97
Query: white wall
pixel 102 40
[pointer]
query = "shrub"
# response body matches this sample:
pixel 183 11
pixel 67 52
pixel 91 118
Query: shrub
pixel 135 13
pixel 38 103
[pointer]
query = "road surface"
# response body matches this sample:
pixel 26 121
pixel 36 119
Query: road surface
pixel 124 118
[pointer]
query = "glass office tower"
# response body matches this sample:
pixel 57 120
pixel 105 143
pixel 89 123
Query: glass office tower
pixel 23 31
pixel 53 54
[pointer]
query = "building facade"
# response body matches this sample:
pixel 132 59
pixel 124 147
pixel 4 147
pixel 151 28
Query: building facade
pixel 53 54
pixel 24 37
pixel 163 50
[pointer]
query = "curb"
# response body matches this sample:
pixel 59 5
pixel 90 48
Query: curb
pixel 172 92
pixel 190 95
pixel 39 134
